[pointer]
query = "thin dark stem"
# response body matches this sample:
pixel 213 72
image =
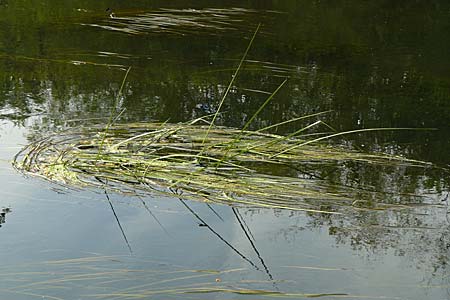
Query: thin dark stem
pixel 118 222
pixel 245 224
pixel 253 244
pixel 218 235
pixel 233 78
pixel 154 216
pixel 115 215
pixel 215 212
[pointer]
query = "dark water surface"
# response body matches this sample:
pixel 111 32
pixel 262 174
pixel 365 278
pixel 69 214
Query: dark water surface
pixel 374 64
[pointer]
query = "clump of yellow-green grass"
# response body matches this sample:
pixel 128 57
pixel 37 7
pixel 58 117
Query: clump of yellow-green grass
pixel 226 165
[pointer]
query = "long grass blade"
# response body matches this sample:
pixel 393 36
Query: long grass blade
pixel 263 105
pixel 233 78
pixel 345 133
pixel 293 120
pixel 154 216
pixel 111 116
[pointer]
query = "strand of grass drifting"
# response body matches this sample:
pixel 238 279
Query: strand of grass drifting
pixel 277 137
pixel 283 138
pixel 344 133
pixel 233 78
pixel 293 120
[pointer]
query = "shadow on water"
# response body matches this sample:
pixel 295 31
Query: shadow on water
pixel 246 232
pixel 251 239
pixel 204 224
pixel 118 222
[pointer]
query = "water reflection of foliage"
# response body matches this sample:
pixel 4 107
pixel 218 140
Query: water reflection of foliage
pixel 425 245
pixel 421 236
pixel 421 228
pixel 364 85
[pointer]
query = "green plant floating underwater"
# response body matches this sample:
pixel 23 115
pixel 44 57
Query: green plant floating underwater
pixel 229 166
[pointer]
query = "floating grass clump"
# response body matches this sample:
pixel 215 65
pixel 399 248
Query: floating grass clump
pixel 204 163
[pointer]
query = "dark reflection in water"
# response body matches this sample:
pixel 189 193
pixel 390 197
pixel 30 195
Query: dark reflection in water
pixel 3 214
pixel 380 64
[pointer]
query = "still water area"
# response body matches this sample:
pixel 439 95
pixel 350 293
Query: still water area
pixel 376 64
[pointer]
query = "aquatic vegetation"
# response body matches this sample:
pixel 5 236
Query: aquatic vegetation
pixel 207 163
pixel 125 277
pixel 211 21
pixel 230 166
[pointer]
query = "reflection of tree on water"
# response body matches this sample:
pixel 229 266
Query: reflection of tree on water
pixel 420 234
pixel 3 213
pixel 415 225
pixel 425 246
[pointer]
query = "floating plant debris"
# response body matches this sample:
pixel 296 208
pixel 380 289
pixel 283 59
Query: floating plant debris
pixel 227 165
pixel 212 21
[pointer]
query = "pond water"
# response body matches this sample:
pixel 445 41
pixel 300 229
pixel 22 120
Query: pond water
pixel 378 64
